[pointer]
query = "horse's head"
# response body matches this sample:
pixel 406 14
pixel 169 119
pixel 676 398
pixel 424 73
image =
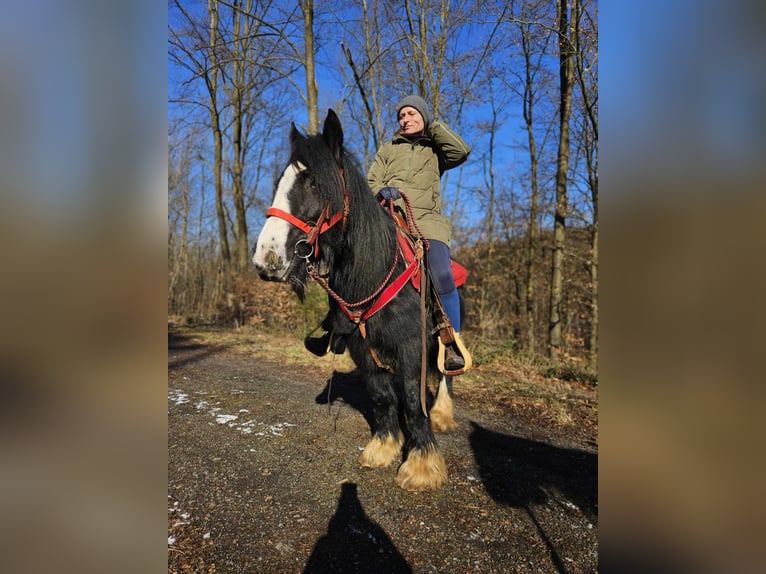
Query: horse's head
pixel 310 199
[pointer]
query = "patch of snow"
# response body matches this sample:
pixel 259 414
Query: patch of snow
pixel 178 396
pixel 570 505
pixel 224 419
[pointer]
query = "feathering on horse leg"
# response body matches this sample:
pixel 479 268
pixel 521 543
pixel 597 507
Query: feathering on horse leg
pixel 381 451
pixel 442 413
pixel 424 469
pixel 387 440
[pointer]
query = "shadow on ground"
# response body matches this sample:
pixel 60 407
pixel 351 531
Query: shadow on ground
pixel 354 543
pixel 520 472
pixel 348 388
pixel 524 473
pixel 185 349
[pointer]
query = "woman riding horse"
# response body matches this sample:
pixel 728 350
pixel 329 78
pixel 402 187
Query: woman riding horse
pixel 413 162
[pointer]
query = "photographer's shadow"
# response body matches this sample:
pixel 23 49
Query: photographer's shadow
pixel 354 543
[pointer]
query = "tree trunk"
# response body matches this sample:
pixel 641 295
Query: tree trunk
pixel 312 91
pixel 215 124
pixel 487 293
pixel 531 252
pixel 239 88
pixel 586 45
pixel 562 169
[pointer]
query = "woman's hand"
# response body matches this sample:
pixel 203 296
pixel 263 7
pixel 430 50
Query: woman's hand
pixel 389 193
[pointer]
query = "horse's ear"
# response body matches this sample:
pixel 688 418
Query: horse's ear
pixel 333 134
pixel 295 135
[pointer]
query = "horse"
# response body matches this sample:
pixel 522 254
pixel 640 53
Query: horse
pixel 325 224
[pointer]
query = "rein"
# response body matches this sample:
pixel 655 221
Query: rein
pixel 386 295
pixel 386 291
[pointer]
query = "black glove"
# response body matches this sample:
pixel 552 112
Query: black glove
pixel 391 193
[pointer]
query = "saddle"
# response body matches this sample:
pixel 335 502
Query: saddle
pixel 442 325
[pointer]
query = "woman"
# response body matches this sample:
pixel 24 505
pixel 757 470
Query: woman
pixel 413 162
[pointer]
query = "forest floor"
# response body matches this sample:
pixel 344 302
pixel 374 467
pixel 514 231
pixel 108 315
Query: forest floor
pixel 264 474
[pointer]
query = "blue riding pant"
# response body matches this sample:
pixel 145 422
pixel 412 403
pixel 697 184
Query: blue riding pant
pixel 440 265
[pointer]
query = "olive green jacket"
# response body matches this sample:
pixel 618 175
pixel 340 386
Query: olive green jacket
pixel 414 164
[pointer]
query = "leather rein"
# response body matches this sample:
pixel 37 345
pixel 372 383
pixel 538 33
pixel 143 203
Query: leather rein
pixel 385 292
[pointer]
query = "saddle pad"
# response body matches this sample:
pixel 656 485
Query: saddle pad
pixel 407 248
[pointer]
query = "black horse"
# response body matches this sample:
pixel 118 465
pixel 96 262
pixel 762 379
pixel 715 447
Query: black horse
pixel 326 224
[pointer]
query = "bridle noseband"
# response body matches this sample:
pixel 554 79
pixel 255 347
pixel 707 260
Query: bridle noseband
pixel 314 230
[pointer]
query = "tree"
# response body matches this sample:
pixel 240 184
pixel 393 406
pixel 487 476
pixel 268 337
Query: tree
pixel 312 91
pixel 534 46
pixel 195 48
pixel 585 37
pixel 242 36
pixel 562 173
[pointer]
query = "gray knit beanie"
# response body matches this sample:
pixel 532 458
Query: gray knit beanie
pixel 419 104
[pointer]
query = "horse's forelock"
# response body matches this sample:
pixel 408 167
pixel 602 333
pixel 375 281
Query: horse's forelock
pixel 315 154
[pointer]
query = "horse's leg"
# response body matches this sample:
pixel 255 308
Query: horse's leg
pixel 387 438
pixel 442 417
pixel 424 468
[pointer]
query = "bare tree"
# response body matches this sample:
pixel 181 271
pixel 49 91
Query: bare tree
pixel 562 173
pixel 240 88
pixel 195 48
pixel 534 42
pixel 585 38
pixel 312 90
pixel 489 274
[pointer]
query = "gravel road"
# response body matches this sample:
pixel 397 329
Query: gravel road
pixel 264 476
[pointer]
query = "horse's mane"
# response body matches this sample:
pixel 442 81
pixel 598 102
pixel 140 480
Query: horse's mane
pixel 370 238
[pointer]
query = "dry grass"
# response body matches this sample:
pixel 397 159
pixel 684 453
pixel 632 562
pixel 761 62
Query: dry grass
pixel 497 384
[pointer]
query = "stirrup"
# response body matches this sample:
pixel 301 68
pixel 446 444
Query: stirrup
pixel 461 349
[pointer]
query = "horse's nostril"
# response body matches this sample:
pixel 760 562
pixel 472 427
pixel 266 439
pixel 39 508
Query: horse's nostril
pixel 273 261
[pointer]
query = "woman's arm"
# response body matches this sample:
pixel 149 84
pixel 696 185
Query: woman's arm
pixel 376 172
pixel 450 147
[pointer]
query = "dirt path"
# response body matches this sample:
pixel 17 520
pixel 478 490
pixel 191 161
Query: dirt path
pixel 263 476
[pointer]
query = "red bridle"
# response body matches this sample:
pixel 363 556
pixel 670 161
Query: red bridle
pixel 323 223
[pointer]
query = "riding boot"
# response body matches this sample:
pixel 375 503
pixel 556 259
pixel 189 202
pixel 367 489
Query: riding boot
pixel 338 344
pixel 319 346
pixel 452 359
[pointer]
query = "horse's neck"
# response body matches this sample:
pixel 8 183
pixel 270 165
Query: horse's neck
pixel 368 254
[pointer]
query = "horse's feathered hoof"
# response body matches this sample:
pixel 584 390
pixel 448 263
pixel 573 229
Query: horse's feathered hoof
pixel 423 470
pixel 380 453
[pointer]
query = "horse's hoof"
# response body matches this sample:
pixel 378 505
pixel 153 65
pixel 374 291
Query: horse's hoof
pixel 423 470
pixel 380 453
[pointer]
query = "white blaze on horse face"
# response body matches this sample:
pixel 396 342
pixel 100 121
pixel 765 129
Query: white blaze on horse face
pixel 270 257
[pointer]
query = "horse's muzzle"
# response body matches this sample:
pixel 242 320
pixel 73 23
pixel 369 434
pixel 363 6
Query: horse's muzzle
pixel 270 266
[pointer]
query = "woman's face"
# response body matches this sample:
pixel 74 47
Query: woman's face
pixel 410 121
